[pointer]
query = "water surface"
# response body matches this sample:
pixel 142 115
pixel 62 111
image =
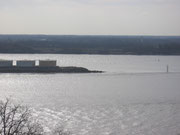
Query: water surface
pixel 134 96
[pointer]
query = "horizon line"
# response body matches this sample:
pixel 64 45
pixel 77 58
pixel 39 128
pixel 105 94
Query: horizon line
pixel 89 35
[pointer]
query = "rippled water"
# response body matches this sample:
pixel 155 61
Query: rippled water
pixel 135 95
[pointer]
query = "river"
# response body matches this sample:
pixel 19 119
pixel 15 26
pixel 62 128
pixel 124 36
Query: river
pixel 134 96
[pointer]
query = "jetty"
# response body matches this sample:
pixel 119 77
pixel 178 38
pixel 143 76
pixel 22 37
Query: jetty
pixel 40 66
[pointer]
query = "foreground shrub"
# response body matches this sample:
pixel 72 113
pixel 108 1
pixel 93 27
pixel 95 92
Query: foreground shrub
pixel 17 120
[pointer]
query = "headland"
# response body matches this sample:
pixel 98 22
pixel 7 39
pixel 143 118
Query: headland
pixel 43 66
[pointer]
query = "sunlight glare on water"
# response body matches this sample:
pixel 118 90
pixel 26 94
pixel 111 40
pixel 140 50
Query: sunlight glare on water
pixel 135 95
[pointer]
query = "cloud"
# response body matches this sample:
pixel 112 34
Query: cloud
pixel 21 3
pixel 17 3
pixel 136 2
pixel 90 16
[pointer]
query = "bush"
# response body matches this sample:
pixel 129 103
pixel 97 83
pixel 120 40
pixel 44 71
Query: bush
pixel 17 120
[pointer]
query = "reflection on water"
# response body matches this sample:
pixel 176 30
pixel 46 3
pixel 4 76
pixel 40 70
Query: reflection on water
pixel 135 96
pixel 133 119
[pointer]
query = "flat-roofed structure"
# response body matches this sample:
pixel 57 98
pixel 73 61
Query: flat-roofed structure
pixel 6 63
pixel 25 63
pixel 47 63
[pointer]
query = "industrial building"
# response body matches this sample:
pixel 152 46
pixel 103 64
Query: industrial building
pixel 6 63
pixel 47 63
pixel 25 63
pixel 28 63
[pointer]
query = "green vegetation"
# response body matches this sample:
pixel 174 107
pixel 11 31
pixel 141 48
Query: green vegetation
pixel 137 45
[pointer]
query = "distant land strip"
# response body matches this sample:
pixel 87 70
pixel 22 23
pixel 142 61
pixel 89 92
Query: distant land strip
pixel 73 44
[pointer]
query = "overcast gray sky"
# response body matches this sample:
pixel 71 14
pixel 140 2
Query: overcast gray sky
pixel 89 17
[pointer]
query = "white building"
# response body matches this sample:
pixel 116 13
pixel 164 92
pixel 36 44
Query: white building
pixel 47 63
pixel 25 63
pixel 6 63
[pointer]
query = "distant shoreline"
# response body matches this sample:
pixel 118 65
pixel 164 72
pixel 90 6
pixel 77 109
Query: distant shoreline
pixel 100 54
pixel 90 44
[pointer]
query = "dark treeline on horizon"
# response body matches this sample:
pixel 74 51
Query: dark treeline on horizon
pixel 71 44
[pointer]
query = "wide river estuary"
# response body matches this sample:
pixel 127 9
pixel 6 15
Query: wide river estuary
pixel 135 95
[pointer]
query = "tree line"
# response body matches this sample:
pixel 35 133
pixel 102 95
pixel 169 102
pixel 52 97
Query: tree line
pixel 71 44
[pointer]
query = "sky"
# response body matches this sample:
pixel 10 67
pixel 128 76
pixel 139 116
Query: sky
pixel 90 17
